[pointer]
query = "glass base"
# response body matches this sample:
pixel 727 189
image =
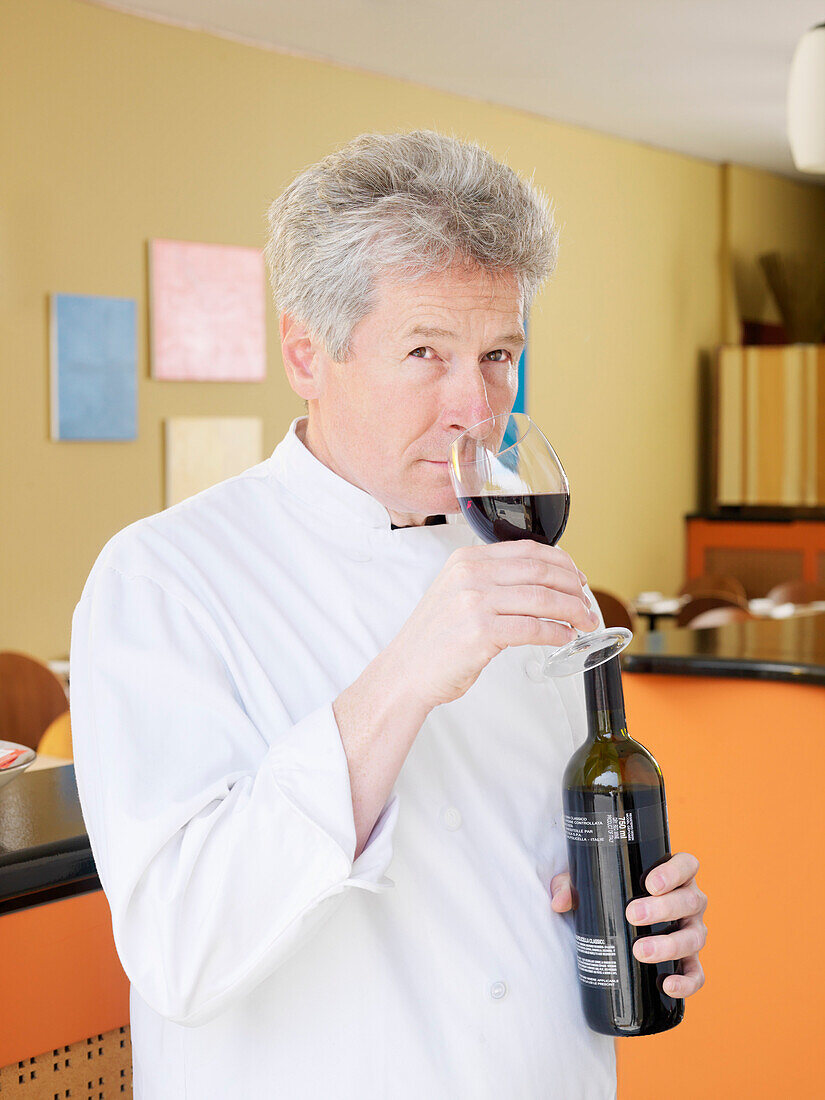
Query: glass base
pixel 586 651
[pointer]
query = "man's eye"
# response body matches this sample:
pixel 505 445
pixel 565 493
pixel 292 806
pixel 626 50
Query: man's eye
pixel 420 353
pixel 502 355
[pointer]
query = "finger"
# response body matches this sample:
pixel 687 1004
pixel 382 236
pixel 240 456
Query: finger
pixel 684 901
pixel 535 599
pixel 562 893
pixel 520 548
pixel 513 630
pixel 687 983
pixel 677 945
pixel 526 571
pixel 678 870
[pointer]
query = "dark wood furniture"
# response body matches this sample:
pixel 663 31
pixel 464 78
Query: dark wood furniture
pixel 615 611
pixel 706 611
pixel 31 697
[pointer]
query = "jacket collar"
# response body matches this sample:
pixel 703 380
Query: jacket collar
pixel 297 468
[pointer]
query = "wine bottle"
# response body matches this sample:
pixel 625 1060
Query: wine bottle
pixel 615 819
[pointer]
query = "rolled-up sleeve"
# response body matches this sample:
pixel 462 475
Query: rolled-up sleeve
pixel 221 847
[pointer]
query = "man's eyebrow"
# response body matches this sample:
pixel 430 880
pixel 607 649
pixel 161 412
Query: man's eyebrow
pixel 427 332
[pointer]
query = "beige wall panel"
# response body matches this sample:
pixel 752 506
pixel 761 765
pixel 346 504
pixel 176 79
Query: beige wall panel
pixel 200 451
pixel 794 425
pixel 731 425
pixel 769 426
pixel 751 426
pixel 813 356
pixel 820 438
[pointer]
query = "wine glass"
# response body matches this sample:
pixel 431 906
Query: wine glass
pixel 511 485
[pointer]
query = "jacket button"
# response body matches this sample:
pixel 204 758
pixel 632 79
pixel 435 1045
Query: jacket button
pixel 358 555
pixel 533 670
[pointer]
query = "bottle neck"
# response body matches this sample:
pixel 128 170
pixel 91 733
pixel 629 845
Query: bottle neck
pixel 604 699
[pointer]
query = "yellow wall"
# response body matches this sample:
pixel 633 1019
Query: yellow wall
pixel 115 129
pixel 766 213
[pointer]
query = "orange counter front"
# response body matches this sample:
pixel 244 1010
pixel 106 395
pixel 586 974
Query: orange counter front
pixel 62 980
pixel 743 766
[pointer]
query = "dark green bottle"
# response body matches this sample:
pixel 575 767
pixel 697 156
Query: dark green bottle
pixel 615 819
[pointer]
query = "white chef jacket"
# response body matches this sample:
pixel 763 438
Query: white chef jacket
pixel 207 648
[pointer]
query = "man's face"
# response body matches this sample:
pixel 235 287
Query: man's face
pixel 433 358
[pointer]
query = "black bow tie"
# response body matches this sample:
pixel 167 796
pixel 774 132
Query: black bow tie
pixel 430 521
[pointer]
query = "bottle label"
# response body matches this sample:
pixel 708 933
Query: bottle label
pixel 600 828
pixel 609 827
pixel 613 841
pixel 597 961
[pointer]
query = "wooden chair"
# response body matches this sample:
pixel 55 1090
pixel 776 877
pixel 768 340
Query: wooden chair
pixel 57 740
pixel 31 697
pixel 706 611
pixel 799 592
pixel 614 610
pixel 715 584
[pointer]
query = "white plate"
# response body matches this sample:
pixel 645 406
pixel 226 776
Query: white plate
pixel 20 764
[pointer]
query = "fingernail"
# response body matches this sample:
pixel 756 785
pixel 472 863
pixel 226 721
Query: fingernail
pixel 582 577
pixel 642 949
pixel 637 911
pixel 655 883
pixel 672 986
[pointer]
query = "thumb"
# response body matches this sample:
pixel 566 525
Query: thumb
pixel 561 892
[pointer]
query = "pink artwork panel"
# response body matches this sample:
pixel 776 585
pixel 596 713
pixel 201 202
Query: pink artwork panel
pixel 207 312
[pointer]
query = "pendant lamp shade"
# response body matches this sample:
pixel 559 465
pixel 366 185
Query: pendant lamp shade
pixel 806 102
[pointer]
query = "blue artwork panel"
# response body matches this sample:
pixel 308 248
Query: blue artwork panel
pixel 94 367
pixel 521 397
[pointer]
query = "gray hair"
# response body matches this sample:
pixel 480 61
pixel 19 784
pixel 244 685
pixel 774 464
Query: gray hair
pixel 411 204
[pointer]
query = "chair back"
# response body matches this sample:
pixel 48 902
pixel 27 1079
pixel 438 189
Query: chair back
pixel 57 740
pixel 31 697
pixel 799 592
pixel 715 584
pixel 614 610
pixel 711 611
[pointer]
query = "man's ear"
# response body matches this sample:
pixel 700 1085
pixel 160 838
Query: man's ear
pixel 301 361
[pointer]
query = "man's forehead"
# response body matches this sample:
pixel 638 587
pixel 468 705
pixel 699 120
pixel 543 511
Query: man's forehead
pixel 444 306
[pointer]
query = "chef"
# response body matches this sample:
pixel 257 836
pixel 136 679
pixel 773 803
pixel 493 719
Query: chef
pixel 322 795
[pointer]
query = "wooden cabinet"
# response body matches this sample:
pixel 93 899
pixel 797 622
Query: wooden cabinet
pixel 767 427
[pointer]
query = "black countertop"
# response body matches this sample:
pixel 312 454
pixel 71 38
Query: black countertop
pixel 44 850
pixel 756 649
pixel 753 513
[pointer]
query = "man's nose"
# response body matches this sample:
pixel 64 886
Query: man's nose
pixel 468 402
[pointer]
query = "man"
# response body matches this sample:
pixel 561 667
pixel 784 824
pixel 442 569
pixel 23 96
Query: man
pixel 323 797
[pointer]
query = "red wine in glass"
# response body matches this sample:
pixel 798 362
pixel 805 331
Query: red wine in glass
pixel 511 485
pixel 541 517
